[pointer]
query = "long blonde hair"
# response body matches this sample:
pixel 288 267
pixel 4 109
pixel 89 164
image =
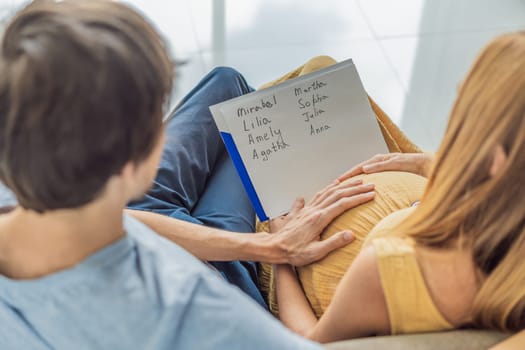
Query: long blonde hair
pixel 464 203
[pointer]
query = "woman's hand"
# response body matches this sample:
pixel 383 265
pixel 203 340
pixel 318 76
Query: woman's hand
pixel 299 231
pixel 417 163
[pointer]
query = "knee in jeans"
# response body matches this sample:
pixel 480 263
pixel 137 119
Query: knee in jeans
pixel 226 73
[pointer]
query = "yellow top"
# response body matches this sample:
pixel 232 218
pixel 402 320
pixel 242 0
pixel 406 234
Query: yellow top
pixel 410 306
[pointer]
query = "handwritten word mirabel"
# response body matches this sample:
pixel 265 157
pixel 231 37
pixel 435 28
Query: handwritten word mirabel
pixel 263 104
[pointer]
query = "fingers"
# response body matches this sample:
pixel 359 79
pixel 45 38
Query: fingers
pixel 344 204
pixel 360 168
pixel 318 219
pixel 378 167
pixel 330 189
pixel 408 162
pixel 339 240
pixel 344 192
pixel 322 193
pixel 276 224
pixel 297 205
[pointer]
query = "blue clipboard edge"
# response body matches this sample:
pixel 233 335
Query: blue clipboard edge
pixel 243 173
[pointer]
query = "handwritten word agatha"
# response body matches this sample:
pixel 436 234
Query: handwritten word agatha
pixel 275 146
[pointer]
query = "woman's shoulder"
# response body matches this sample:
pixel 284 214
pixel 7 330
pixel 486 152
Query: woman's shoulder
pixel 445 277
pixel 451 281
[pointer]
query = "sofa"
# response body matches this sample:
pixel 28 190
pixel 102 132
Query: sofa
pixel 452 340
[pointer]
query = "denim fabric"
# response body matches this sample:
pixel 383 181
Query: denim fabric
pixel 196 180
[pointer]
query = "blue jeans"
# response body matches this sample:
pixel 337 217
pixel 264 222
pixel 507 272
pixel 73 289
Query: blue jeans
pixel 196 180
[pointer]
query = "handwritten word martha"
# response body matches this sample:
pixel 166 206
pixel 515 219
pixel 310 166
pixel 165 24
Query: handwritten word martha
pixel 267 103
pixel 315 85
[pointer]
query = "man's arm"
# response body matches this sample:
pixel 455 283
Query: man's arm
pixel 297 242
pixel 212 244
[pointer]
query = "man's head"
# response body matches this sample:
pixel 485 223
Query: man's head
pixel 82 88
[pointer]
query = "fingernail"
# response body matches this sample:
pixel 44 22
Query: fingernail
pixel 347 235
pixel 370 185
pixel 366 167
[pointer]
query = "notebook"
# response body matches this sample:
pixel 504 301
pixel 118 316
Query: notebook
pixel 293 139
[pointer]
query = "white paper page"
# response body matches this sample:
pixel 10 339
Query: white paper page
pixel 297 137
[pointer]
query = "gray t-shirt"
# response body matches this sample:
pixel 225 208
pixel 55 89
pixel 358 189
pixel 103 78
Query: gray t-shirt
pixel 142 292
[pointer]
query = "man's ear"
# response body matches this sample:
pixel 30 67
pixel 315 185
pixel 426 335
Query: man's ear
pixel 131 177
pixel 498 160
pixel 128 171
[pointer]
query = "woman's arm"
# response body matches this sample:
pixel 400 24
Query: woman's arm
pixel 294 309
pixel 358 308
pixel 417 163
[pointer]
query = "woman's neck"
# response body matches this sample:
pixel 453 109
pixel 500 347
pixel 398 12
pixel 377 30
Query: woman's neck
pixel 33 245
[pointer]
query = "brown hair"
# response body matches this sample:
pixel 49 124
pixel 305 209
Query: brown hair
pixel 463 203
pixel 82 88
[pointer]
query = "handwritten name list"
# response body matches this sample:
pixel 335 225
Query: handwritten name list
pixel 288 141
pixel 310 103
pixel 265 139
